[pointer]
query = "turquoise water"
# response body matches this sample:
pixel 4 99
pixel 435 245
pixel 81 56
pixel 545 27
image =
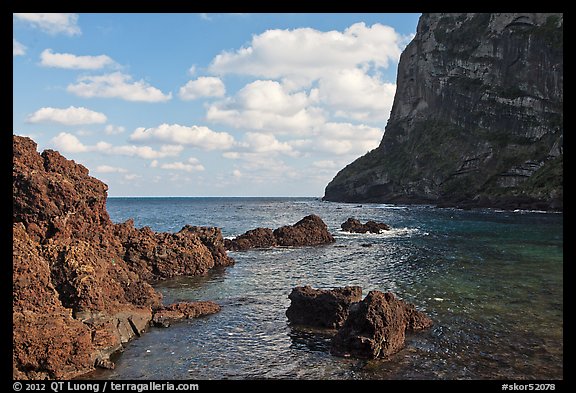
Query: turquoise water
pixel 491 280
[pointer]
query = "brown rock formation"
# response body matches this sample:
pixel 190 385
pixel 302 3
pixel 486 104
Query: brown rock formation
pixel 376 327
pixel 309 231
pixel 321 308
pixel 167 315
pixel 80 282
pixel 254 238
pixel 353 225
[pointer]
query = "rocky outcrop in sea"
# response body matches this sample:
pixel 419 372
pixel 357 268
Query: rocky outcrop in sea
pixel 371 328
pixel 309 231
pixel 354 225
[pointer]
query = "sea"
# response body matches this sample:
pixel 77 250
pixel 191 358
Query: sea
pixel 491 280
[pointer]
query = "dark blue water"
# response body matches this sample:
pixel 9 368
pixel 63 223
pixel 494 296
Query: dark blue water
pixel 491 280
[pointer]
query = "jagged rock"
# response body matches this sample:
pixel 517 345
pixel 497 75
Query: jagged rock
pixel 80 282
pixel 212 238
pixel 477 119
pixel 376 327
pixel 355 226
pixel 167 315
pixel 255 238
pixel 309 231
pixel 320 307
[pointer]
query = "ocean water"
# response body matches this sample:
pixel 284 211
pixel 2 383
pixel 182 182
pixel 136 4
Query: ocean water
pixel 491 280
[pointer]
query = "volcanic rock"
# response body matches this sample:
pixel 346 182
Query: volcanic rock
pixel 353 225
pixel 320 307
pixel 167 315
pixel 309 231
pixel 477 118
pixel 376 327
pixel 254 238
pixel 80 283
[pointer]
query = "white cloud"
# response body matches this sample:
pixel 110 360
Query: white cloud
pixel 191 165
pixel 351 93
pixel 70 61
pixel 145 152
pixel 69 143
pixel 17 48
pixel 111 129
pixel 109 169
pixel 131 176
pixel 195 136
pixel 265 105
pixel 70 116
pixel 256 142
pixel 305 54
pixel 340 139
pixel 204 86
pixel 117 85
pixel 327 164
pixel 52 23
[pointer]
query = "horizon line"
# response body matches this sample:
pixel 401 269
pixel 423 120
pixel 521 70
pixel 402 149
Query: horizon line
pixel 213 196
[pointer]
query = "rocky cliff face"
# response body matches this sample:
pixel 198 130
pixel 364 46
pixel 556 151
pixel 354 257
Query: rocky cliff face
pixel 477 119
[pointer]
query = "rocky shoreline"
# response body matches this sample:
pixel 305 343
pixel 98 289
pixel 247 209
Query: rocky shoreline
pixel 82 284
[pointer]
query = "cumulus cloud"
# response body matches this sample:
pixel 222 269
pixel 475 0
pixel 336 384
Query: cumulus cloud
pixel 340 139
pixel 191 165
pixel 195 136
pixel 52 23
pixel 204 86
pixel 111 129
pixel 69 143
pixel 109 169
pixel 117 85
pixel 255 142
pixel 67 60
pixel 305 54
pixel 17 48
pixel 351 93
pixel 265 105
pixel 69 116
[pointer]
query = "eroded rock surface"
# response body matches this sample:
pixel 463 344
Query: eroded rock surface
pixel 81 284
pixel 376 327
pixel 320 307
pixel 309 231
pixel 354 225
pixel 477 119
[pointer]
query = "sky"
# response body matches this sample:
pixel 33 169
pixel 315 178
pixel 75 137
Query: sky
pixel 207 104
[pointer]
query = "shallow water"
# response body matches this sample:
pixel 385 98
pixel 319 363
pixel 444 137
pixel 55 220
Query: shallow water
pixel 492 281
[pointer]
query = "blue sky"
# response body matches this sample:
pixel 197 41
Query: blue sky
pixel 207 104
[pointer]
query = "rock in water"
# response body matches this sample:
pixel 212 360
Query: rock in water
pixel 376 327
pixel 477 119
pixel 320 307
pixel 309 231
pixel 167 315
pixel 353 225
pixel 255 238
